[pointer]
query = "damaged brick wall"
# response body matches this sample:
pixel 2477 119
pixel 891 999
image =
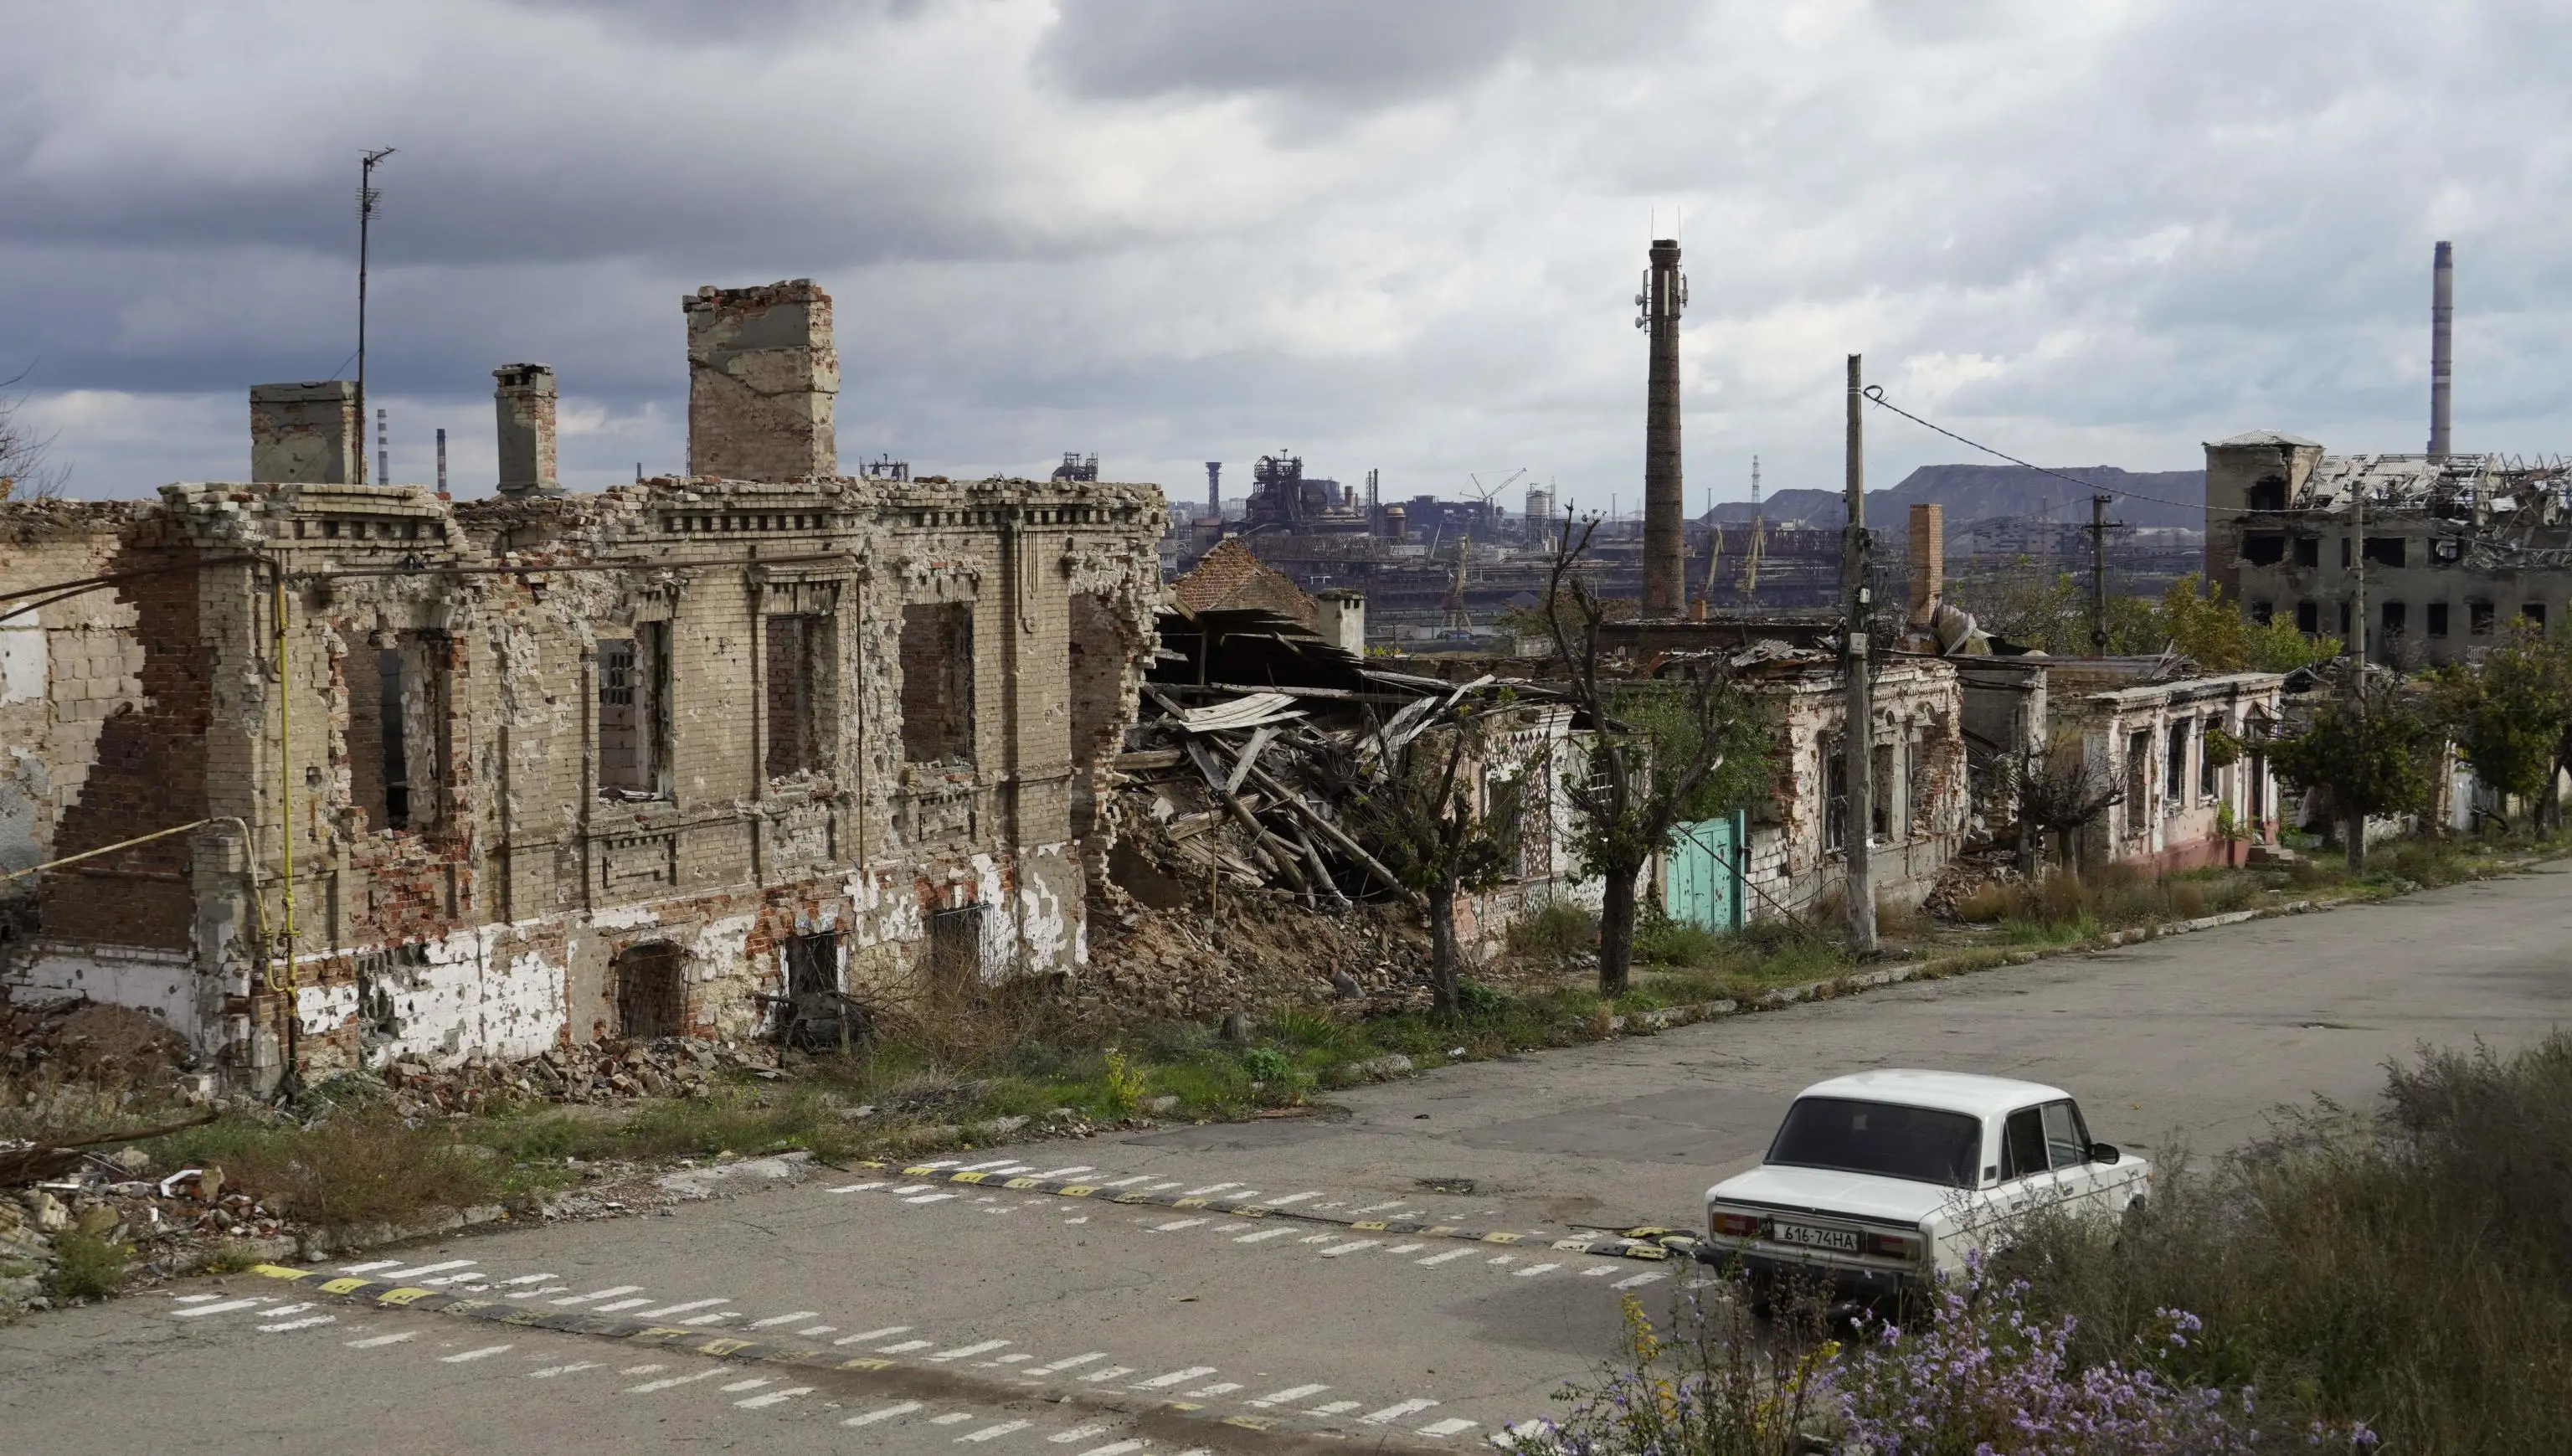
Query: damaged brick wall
pixel 1923 785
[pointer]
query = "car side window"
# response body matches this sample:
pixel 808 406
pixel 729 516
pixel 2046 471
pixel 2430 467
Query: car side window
pixel 2022 1144
pixel 2067 1142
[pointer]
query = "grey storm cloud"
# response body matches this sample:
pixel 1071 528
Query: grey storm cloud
pixel 1395 234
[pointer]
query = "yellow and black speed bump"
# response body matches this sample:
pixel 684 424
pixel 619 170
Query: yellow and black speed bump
pixel 1634 1244
pixel 1198 1422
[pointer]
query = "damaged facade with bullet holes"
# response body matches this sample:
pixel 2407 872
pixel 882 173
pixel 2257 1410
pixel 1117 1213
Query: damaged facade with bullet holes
pixel 486 776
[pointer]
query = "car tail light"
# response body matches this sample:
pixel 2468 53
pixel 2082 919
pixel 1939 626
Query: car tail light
pixel 1734 1226
pixel 1894 1246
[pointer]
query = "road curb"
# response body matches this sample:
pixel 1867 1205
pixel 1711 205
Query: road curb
pixel 1179 1421
pixel 1648 1243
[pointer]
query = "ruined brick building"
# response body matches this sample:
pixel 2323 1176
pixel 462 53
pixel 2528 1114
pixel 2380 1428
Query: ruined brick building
pixel 483 775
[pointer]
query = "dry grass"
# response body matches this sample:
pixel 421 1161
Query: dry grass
pixel 354 1171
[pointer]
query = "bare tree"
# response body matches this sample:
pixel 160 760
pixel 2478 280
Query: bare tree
pixel 2060 792
pixel 26 470
pixel 1409 796
pixel 1659 751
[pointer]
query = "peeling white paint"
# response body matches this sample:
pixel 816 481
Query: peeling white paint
pixel 471 994
pixel 625 917
pixel 323 1010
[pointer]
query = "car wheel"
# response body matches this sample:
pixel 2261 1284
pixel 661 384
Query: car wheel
pixel 1762 1289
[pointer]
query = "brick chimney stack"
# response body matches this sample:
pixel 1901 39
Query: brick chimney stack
pixel 522 396
pixel 763 382
pixel 305 433
pixel 1928 554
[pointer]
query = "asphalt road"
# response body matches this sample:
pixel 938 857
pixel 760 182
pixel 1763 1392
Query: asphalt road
pixel 1019 1296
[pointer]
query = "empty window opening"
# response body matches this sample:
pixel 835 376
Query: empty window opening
pixel 2384 550
pixel 1100 650
pixel 2174 782
pixel 2534 614
pixel 650 990
pixel 1881 795
pixel 2139 759
pixel 2205 768
pixel 396 728
pixel 2397 617
pixel 2435 619
pixel 2269 493
pixel 2308 617
pixel 938 683
pixel 633 713
pixel 2264 548
pixel 2343 553
pixel 1915 787
pixel 796 667
pixel 2479 619
pixel 1835 794
pixel 2308 550
pixel 2263 611
pixel 2345 619
pixel 958 945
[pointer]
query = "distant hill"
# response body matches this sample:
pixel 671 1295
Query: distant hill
pixel 1979 492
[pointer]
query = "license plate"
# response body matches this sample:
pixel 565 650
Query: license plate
pixel 1838 1240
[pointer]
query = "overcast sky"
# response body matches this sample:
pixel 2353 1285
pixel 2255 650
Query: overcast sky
pixel 1399 234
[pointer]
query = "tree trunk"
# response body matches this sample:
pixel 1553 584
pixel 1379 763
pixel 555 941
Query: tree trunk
pixel 1616 930
pixel 1442 949
pixel 2357 833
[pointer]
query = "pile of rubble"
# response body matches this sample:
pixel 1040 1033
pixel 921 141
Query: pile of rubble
pixel 170 1222
pixel 606 1072
pixel 72 1040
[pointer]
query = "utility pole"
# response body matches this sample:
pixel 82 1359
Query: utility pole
pixel 1857 728
pixel 2357 830
pixel 2099 528
pixel 368 196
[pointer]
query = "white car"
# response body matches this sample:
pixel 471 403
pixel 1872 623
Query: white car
pixel 1876 1179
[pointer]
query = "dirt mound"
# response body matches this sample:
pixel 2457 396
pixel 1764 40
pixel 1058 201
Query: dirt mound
pixel 91 1042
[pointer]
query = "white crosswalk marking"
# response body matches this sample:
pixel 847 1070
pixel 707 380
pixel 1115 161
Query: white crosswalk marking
pixel 285 1309
pixel 1062 1365
pixel 1396 1411
pixel 774 1397
pixel 227 1307
pixel 1164 1187
pixel 988 1432
pixel 960 1351
pixel 306 1322
pixel 597 1294
pixel 1536 1269
pixel 379 1341
pixel 1503 1259
pixel 1337 1407
pixel 951 1418
pixel 873 1334
pixel 462 1356
pixel 641 1369
pixel 1638 1281
pixel 904 1347
pixel 1081 1433
pixel 1208 1189
pixel 551 1372
pixel 1448 1427
pixel 1294 1198
pixel 1164 1382
pixel 195 1298
pixel 666 1382
pixel 932 1198
pixel 614 1306
pixel 855 1188
pixel 1453 1254
pixel 1594 1271
pixel 752 1383
pixel 666 1310
pixel 1210 1392
pixel 941 1162
pixel 1063 1172
pixel 987 1167
pixel 539 1291
pixel 416 1271
pixel 1322 1238
pixel 882 1413
pixel 817 1330
pixel 369 1267
pixel 1374 1208
pixel 718 1317
pixel 1405 1248
pixel 1110 1373
pixel 1265 1233
pixel 1175 1224
pixel 1128 1182
pixel 1117 1448
pixel 1352 1246
pixel 1291 1392
pixel 527 1280
pixel 782 1318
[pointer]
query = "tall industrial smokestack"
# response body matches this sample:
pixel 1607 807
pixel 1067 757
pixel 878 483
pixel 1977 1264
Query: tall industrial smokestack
pixel 2443 345
pixel 1215 488
pixel 1664 295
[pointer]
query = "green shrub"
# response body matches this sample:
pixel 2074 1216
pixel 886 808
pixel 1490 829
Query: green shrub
pixel 86 1266
pixel 1554 933
pixel 1267 1064
pixel 1662 941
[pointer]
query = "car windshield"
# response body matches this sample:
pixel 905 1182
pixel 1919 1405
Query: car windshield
pixel 1846 1135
